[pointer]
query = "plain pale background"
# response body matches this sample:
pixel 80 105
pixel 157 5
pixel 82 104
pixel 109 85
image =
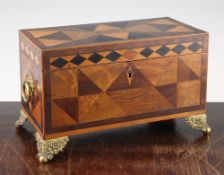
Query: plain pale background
pixel 14 15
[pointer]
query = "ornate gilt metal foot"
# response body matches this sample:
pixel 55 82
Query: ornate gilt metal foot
pixel 22 119
pixel 47 149
pixel 199 122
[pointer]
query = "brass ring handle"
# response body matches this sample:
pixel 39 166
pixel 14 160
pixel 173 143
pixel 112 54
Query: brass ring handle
pixel 27 88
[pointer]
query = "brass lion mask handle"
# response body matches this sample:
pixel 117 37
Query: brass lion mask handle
pixel 28 88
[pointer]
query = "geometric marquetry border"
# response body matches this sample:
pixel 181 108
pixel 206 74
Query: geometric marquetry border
pixel 29 53
pixel 125 55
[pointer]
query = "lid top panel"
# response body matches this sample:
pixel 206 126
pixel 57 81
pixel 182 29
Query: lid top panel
pixel 100 33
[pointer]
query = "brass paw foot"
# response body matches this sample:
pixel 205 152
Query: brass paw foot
pixel 47 149
pixel 22 119
pixel 199 122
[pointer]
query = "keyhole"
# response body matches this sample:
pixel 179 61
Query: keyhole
pixel 130 74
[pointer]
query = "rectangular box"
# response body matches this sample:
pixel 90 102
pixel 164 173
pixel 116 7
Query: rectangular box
pixel 85 78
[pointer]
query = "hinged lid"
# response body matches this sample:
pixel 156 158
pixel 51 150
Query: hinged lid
pixel 100 37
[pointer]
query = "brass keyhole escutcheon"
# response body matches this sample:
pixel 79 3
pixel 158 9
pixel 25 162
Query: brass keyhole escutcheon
pixel 28 88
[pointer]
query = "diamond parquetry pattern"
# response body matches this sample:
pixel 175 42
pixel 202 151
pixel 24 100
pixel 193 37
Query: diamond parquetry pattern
pixel 105 91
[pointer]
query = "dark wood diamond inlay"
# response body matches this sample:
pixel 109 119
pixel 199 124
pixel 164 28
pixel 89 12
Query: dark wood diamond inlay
pixel 194 47
pixel 179 48
pixel 77 60
pixel 146 52
pixel 163 50
pixel 60 62
pixel 113 56
pixel 95 58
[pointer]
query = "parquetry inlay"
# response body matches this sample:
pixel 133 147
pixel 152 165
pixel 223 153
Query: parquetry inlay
pixel 107 32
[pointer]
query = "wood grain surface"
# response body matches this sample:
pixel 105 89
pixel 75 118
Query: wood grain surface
pixel 113 73
pixel 161 148
pixel 87 34
pixel 107 91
